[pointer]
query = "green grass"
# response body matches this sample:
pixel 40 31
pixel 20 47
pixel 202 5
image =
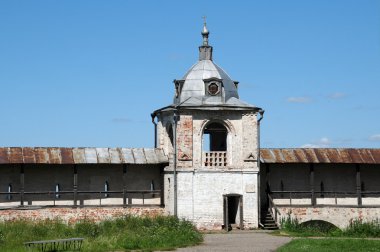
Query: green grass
pixel 339 239
pixel 124 234
pixel 330 244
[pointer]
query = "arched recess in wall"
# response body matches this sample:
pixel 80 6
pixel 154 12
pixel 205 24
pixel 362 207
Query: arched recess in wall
pixel 57 189
pixel 106 189
pixel 320 225
pixel 216 142
pixel 10 190
pixel 226 123
pixel 215 137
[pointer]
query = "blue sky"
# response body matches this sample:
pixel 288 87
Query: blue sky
pixel 89 73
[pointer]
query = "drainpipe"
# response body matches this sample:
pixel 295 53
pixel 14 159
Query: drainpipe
pixel 175 120
pixel 153 115
pixel 261 112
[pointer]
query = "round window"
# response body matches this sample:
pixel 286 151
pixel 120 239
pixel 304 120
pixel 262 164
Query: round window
pixel 213 89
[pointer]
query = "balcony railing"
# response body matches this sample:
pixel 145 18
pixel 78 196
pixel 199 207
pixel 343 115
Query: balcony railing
pixel 78 198
pixel 215 158
pixel 326 198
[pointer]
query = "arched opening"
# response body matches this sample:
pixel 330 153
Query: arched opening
pixel 106 189
pixel 9 195
pixel 321 226
pixel 214 144
pixel 215 137
pixel 57 189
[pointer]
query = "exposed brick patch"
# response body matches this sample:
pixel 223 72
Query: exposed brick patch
pixel 339 216
pixel 73 215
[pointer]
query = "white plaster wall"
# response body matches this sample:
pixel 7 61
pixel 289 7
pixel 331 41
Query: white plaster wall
pixel 200 197
pixel 200 189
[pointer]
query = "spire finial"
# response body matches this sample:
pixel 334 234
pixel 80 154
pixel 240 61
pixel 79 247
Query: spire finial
pixel 205 51
pixel 205 32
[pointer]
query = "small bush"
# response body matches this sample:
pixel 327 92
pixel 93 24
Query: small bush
pixel 2 237
pixel 358 228
pixel 87 228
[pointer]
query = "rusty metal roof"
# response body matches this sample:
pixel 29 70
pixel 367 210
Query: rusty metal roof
pixel 321 155
pixel 38 155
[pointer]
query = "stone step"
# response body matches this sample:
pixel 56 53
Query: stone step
pixel 268 221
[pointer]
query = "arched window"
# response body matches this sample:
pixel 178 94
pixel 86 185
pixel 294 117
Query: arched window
pixel 57 189
pixel 215 137
pixel 152 188
pixel 9 195
pixel 106 189
pixel 152 185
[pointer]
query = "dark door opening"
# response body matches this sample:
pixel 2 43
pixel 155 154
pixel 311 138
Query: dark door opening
pixel 232 211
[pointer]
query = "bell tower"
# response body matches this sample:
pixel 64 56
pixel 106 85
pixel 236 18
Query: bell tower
pixel 211 138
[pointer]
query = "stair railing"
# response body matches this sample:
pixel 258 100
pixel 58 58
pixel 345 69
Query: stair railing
pixel 273 210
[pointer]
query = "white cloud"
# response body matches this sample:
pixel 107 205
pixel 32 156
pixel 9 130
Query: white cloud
pixel 310 146
pixel 323 142
pixel 375 138
pixel 337 95
pixel 299 99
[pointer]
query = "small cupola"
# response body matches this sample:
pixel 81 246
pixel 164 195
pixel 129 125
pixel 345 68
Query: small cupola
pixel 206 83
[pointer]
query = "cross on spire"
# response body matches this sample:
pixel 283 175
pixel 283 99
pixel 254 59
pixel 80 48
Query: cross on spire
pixel 205 32
pixel 205 51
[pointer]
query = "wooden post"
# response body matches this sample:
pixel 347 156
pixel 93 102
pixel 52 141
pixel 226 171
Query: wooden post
pixel 358 185
pixel 75 184
pixel 22 184
pixel 124 185
pixel 313 201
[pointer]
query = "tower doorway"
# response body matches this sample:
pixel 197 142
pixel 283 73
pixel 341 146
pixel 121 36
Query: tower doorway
pixel 232 211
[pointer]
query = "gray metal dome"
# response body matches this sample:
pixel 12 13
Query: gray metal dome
pixel 194 84
pixel 207 85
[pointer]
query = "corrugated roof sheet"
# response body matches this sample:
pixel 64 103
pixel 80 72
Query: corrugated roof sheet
pixel 321 155
pixel 38 155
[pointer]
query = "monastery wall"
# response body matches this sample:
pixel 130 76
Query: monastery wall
pixel 73 215
pixel 339 216
pixel 91 179
pixel 329 178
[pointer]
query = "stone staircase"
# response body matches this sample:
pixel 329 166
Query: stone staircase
pixel 267 221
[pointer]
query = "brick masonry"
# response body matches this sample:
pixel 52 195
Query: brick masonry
pixel 73 215
pixel 339 216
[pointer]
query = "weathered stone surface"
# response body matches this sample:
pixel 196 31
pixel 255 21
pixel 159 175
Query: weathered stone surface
pixel 339 216
pixel 73 215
